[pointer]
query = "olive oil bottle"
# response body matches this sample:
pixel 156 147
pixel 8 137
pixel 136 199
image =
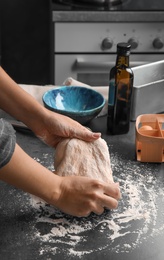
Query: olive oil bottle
pixel 120 92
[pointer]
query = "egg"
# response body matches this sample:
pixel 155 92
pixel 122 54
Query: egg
pixel 146 127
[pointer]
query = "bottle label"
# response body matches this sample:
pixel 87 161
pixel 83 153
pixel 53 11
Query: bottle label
pixel 111 92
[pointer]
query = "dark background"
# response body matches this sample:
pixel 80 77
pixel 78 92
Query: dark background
pixel 25 40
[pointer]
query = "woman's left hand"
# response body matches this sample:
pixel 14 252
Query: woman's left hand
pixel 55 127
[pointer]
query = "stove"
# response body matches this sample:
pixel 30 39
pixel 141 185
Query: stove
pixel 85 34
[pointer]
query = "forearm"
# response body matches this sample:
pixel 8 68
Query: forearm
pixel 78 196
pixel 47 125
pixel 25 173
pixel 18 103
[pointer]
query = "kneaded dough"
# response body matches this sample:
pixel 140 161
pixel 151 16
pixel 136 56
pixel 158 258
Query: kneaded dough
pixel 80 158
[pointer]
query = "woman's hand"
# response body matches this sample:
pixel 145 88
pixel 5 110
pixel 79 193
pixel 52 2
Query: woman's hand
pixel 47 125
pixel 53 127
pixel 79 196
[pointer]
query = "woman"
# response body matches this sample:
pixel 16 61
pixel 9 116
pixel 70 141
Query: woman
pixel 78 196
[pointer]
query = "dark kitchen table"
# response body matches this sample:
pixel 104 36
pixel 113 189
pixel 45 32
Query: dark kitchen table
pixel 31 229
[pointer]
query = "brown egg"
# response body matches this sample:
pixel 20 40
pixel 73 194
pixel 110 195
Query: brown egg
pixel 146 127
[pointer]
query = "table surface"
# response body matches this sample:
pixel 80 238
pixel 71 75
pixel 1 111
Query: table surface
pixel 32 229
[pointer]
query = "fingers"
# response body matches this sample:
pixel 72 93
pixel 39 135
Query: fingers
pixel 70 128
pixel 112 190
pixel 86 134
pixel 111 196
pixel 86 210
pixel 89 195
pixel 76 130
pixel 57 127
pixel 99 210
pixel 106 196
pixel 109 202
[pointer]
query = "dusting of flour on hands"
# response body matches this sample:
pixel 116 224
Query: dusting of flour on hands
pixel 133 222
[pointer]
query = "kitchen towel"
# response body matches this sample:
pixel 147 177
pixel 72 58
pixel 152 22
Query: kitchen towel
pixel 37 92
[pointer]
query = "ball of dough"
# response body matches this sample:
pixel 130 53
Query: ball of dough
pixel 80 158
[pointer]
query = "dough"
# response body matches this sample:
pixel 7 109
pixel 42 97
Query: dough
pixel 80 158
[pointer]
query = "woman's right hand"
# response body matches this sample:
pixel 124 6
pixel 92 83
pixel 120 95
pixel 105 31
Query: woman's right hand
pixel 79 196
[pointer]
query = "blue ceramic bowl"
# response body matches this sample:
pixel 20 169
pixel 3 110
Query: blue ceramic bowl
pixel 80 103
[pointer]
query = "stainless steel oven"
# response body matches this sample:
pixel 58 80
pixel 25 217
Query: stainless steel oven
pixel 85 36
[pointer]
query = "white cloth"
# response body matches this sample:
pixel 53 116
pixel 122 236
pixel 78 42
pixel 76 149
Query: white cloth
pixel 38 91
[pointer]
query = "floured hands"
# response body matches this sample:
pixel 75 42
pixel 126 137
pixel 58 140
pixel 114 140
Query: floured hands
pixel 79 196
pixel 55 127
pixel 47 125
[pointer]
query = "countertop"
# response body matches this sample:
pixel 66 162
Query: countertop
pixel 31 229
pixel 107 16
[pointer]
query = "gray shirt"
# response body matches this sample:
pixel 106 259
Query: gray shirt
pixel 7 134
pixel 7 142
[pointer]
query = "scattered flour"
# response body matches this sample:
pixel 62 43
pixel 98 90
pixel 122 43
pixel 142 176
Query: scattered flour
pixel 135 220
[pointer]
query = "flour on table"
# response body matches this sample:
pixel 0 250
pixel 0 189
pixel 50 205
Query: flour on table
pixel 135 220
pixel 80 158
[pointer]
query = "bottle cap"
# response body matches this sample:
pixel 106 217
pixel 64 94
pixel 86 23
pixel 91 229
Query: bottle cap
pixel 123 48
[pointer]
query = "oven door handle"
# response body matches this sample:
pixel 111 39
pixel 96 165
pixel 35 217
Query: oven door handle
pixel 85 66
pixel 82 65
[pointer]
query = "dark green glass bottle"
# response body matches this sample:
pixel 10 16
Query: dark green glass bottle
pixel 120 92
